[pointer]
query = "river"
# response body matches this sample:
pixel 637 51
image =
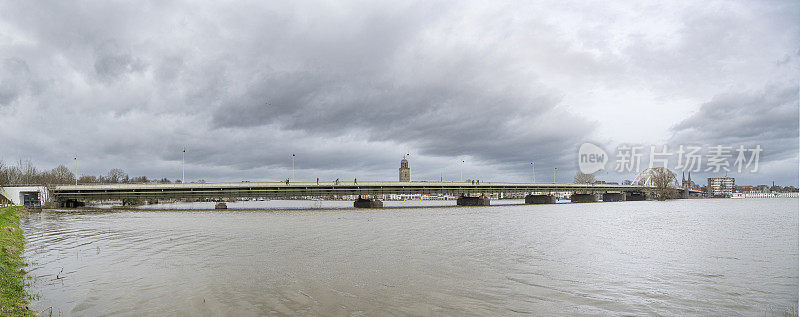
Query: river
pixel 681 257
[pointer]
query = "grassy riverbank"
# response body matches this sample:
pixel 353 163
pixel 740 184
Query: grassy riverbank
pixel 13 298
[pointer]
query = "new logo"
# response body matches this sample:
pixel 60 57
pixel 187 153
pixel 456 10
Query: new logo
pixel 591 158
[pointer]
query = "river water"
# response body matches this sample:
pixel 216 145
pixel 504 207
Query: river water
pixel 682 257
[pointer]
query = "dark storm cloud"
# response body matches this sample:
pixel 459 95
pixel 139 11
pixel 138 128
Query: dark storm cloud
pixel 446 119
pixel 766 117
pixel 351 87
pixel 111 62
pixel 16 81
pixel 768 114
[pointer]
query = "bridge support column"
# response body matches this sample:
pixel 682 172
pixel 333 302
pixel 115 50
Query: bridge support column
pixel 367 203
pixel 636 196
pixel 583 198
pixel 613 197
pixel 221 205
pixel 540 199
pixel 71 203
pixel 472 201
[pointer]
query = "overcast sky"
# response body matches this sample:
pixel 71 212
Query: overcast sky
pixel 350 87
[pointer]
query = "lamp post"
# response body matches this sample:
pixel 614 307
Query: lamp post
pixel 460 173
pixel 76 169
pixel 292 166
pixel 533 172
pixel 554 174
pixel 183 171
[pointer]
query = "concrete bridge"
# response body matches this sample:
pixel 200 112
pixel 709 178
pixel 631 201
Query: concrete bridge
pixel 471 194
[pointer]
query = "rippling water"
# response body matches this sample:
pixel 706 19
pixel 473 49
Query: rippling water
pixel 695 257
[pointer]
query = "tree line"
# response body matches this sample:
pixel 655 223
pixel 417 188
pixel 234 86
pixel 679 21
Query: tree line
pixel 23 172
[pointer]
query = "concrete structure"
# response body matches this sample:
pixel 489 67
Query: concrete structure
pixel 25 195
pixel 405 172
pixel 635 196
pixel 367 203
pixel 472 201
pixel 583 198
pixel 71 203
pixel 321 189
pixel 721 186
pixel 83 193
pixel 540 199
pixel 613 197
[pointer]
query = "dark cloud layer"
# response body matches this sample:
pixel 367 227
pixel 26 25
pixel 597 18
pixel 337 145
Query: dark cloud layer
pixel 351 87
pixel 767 117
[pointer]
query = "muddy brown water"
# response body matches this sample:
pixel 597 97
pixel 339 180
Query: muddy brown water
pixel 683 257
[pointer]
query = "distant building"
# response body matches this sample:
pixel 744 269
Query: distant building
pixel 604 182
pixel 405 172
pixel 764 195
pixel 24 195
pixel 721 186
pixel 688 183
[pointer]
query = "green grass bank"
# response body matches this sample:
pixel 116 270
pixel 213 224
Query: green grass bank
pixel 13 298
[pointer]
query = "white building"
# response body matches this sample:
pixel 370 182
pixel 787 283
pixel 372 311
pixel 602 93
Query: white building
pixel 765 195
pixel 24 195
pixel 721 186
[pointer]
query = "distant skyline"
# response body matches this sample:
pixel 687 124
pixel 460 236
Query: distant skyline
pixel 351 87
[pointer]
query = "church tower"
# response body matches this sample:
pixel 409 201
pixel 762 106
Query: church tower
pixel 405 172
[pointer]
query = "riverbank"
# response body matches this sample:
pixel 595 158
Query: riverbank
pixel 13 298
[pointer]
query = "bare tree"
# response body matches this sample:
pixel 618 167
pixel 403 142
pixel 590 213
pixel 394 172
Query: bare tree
pixel 139 179
pixel 88 179
pixel 14 175
pixel 663 179
pixel 27 171
pixel 24 172
pixel 116 175
pixel 61 175
pixel 582 178
pixel 3 173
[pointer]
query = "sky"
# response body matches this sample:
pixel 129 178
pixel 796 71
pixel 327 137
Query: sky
pixel 470 89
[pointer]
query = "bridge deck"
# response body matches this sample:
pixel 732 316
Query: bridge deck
pixel 281 189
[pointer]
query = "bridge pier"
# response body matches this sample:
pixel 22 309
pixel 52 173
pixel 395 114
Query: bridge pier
pixel 583 198
pixel 613 197
pixel 540 199
pixel 472 201
pixel 71 203
pixel 367 203
pixel 636 196
pixel 221 205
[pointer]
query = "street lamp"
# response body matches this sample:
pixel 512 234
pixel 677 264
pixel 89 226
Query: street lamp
pixel 292 166
pixel 460 174
pixel 533 172
pixel 555 170
pixel 183 171
pixel 76 169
